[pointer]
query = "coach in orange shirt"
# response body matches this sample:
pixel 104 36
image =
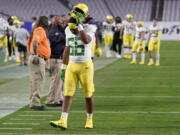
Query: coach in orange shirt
pixel 39 50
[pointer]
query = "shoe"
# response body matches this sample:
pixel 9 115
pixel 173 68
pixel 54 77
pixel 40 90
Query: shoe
pixel 38 108
pixel 18 60
pixel 62 123
pixel 133 62
pixel 141 63
pixel 150 63
pixel 118 56
pixel 54 105
pixel 5 60
pixel 25 64
pixel 129 56
pixel 157 64
pixel 89 123
pixel 125 56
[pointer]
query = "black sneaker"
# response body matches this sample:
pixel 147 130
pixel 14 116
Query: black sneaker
pixel 38 108
pixel 55 104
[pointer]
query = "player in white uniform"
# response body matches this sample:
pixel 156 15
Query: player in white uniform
pixel 138 45
pixel 108 34
pixel 3 37
pixel 128 30
pixel 77 66
pixel 89 26
pixel 154 42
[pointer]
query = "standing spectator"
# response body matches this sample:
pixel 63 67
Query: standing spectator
pixel 40 51
pixel 57 41
pixel 117 40
pixel 21 36
pixel 34 20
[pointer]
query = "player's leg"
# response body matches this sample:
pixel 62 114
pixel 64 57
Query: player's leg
pixel 150 49
pixel 134 52
pixel 142 54
pixel 125 45
pixel 131 39
pixel 157 48
pixel 119 43
pixel 86 79
pixel 70 86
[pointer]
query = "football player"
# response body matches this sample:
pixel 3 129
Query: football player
pixel 154 42
pixel 138 45
pixel 77 65
pixel 108 34
pixel 89 26
pixel 128 30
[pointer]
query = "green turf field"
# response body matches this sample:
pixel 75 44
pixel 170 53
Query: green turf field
pixel 129 100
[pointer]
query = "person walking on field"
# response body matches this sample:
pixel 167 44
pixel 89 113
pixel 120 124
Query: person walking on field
pixel 40 51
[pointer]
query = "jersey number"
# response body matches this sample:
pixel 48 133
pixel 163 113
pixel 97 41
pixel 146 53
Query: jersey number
pixel 76 48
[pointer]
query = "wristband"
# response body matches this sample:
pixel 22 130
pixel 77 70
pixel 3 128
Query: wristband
pixel 80 27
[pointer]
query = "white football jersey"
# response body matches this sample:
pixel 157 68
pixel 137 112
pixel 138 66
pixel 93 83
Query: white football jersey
pixel 79 51
pixel 139 30
pixel 3 27
pixel 154 31
pixel 91 28
pixel 108 28
pixel 129 27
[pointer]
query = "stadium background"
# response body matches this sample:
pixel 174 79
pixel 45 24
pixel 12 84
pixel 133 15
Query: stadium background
pixel 130 100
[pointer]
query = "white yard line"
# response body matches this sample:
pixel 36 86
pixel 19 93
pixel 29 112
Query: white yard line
pixel 15 128
pixel 36 115
pixel 8 123
pixel 28 119
pixel 136 96
pixel 113 112
pixel 56 134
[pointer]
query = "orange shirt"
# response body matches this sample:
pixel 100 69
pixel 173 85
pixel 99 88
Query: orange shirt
pixel 43 49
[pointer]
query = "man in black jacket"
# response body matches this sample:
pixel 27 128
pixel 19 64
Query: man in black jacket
pixel 57 41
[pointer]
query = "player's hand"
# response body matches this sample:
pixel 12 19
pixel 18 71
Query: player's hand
pixel 63 71
pixel 98 52
pixel 80 18
pixel 35 60
pixel 146 48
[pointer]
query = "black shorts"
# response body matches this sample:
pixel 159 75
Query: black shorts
pixel 21 47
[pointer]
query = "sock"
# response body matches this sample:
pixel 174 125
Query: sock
pixel 90 115
pixel 142 57
pixel 133 56
pixel 157 57
pixel 150 60
pixel 64 114
pixel 130 50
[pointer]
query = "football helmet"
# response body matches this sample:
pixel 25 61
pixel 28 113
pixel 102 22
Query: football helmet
pixel 109 18
pixel 129 17
pixel 140 23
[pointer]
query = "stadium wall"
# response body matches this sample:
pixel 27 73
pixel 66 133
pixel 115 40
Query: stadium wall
pixel 171 30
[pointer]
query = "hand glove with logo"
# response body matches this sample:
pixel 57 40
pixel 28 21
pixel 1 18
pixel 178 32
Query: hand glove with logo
pixel 98 52
pixel 80 18
pixel 63 71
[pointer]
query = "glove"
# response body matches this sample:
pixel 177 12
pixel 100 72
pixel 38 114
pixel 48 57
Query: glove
pixel 98 52
pixel 146 48
pixel 80 18
pixel 63 71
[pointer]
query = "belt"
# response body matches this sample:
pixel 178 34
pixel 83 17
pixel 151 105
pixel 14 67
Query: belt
pixel 40 57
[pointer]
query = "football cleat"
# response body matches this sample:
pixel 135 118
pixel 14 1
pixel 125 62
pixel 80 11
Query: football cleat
pixel 62 123
pixel 128 56
pixel 5 60
pixel 133 62
pixel 141 63
pixel 18 60
pixel 89 123
pixel 157 64
pixel 150 63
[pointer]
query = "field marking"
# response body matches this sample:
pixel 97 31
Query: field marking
pixel 27 119
pixel 37 115
pixel 113 112
pixel 8 123
pixel 15 128
pixel 150 86
pixel 136 96
pixel 59 134
pixel 8 66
